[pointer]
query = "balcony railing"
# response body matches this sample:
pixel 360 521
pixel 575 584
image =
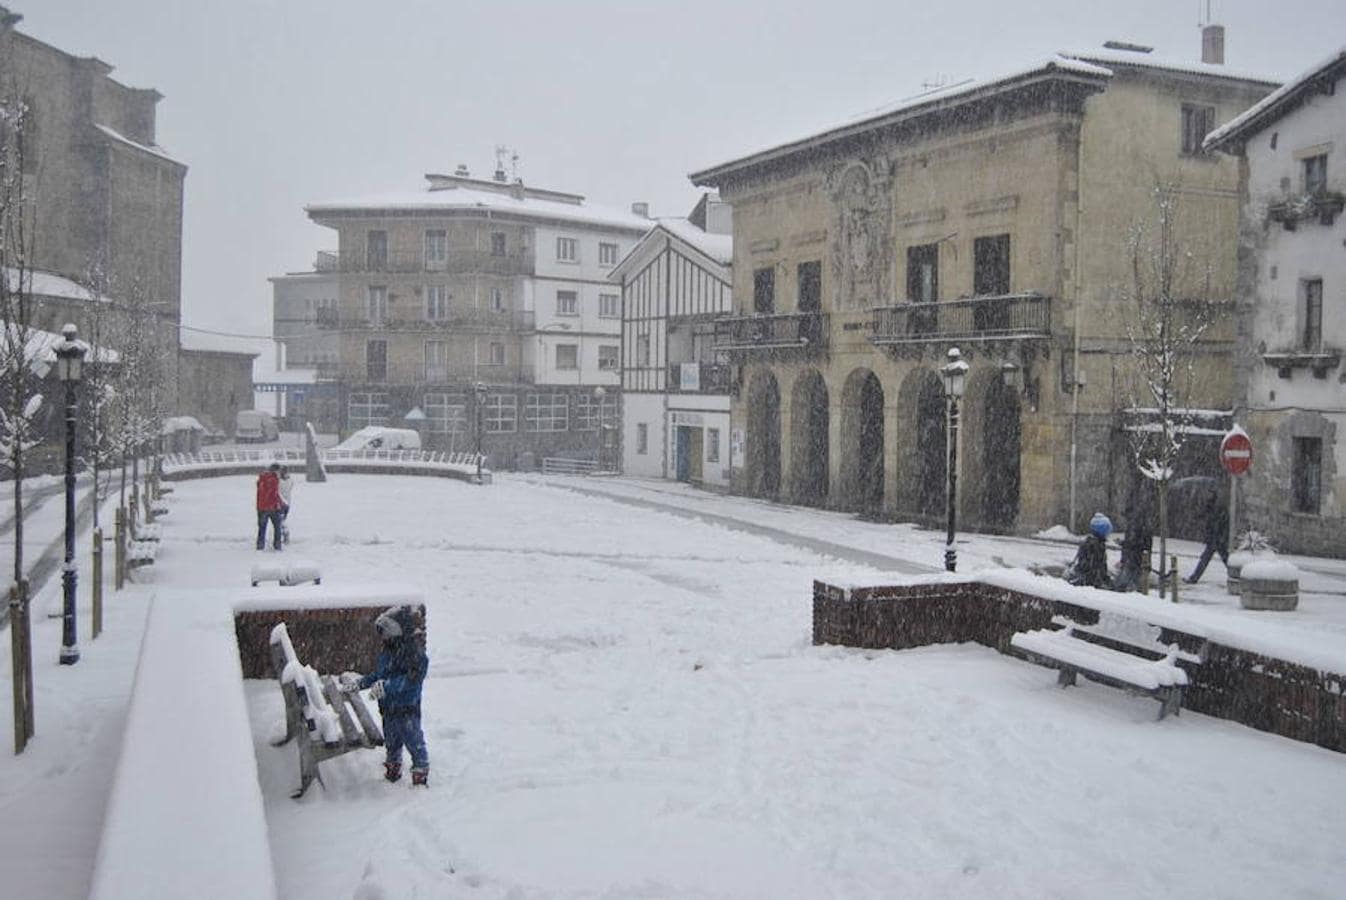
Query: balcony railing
pixel 455 320
pixel 1322 206
pixel 413 263
pixel 1002 317
pixel 768 332
pixel 698 378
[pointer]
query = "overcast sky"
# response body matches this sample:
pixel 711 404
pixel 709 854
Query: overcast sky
pixel 274 105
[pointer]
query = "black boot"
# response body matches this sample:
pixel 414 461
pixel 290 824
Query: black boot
pixel 392 771
pixel 420 777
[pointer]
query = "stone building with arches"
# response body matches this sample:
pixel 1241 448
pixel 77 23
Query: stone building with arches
pixel 993 216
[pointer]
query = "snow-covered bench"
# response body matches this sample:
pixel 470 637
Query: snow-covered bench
pixel 1120 653
pixel 141 553
pixel 286 573
pixel 316 712
pixel 149 532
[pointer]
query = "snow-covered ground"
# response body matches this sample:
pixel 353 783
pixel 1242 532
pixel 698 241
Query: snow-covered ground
pixel 623 702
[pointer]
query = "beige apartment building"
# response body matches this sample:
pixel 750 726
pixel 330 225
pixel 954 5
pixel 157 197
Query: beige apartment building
pixel 996 217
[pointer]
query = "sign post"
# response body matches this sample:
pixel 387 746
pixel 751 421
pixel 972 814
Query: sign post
pixel 1236 456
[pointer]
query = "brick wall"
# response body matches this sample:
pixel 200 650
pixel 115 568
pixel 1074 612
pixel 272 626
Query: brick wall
pixel 331 640
pixel 1263 692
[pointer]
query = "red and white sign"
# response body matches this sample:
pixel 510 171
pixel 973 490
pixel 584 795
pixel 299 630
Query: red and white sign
pixel 1236 452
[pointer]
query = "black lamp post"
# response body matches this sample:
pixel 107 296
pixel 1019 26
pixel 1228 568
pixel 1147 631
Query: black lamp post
pixel 479 390
pixel 599 393
pixel 954 374
pixel 69 366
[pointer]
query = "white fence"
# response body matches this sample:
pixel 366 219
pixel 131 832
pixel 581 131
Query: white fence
pixel 556 465
pixel 233 459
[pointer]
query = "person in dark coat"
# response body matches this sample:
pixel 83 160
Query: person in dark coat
pixel 268 505
pixel 1139 538
pixel 1090 566
pixel 396 684
pixel 1217 535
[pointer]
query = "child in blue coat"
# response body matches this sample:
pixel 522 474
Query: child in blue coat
pixel 396 684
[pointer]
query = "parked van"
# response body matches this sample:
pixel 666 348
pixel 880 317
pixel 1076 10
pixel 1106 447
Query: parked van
pixel 376 437
pixel 255 426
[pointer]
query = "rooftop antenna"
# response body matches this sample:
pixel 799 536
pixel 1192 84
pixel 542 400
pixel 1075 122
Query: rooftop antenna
pixel 514 166
pixel 938 82
pixel 501 151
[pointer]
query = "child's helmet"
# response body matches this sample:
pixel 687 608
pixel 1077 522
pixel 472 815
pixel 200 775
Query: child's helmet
pixel 1100 525
pixel 396 622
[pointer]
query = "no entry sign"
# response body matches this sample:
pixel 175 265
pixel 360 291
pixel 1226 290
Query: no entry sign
pixel 1236 452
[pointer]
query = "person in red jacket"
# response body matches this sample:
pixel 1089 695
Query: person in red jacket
pixel 268 506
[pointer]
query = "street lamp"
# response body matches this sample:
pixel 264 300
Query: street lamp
pixel 479 389
pixel 954 374
pixel 69 367
pixel 599 393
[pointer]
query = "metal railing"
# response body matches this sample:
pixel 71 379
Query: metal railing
pixel 698 378
pixel 1005 316
pixel 558 465
pixel 232 459
pixel 771 331
pixel 455 318
pixel 473 261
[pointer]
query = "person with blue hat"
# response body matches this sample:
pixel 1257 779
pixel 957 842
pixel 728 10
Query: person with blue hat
pixel 1090 566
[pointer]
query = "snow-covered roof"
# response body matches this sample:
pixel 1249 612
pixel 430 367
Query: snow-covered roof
pixel 464 198
pixel 47 284
pixel 719 247
pixel 1275 104
pixel 911 107
pixel 211 342
pixel 1115 58
pixel 151 149
pixel 181 423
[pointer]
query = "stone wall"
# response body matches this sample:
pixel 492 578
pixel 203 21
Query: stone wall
pixel 1262 692
pixel 332 640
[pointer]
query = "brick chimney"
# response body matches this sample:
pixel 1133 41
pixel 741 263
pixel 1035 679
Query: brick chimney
pixel 640 209
pixel 1212 44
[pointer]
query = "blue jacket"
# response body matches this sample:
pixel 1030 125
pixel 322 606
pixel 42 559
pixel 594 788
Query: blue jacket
pixel 401 667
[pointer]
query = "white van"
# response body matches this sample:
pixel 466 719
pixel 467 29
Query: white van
pixel 255 426
pixel 377 437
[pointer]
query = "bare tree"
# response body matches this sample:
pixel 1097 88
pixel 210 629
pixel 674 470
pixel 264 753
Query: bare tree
pixel 20 361
pixel 99 375
pixel 1165 330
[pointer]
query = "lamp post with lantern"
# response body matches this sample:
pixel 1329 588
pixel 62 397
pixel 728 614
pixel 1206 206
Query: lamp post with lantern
pixel 954 374
pixel 479 391
pixel 69 369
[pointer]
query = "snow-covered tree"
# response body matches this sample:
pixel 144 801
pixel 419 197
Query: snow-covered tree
pixel 1165 325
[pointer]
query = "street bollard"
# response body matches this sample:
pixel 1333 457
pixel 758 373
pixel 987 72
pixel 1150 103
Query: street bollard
pixel 1145 563
pixel 1173 575
pixel 97 582
pixel 119 551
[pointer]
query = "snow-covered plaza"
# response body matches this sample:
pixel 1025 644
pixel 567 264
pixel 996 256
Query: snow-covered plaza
pixel 623 701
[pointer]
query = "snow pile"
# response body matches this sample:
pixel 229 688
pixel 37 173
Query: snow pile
pixel 1270 569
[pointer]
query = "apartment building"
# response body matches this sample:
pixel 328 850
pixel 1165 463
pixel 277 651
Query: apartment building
pixel 994 216
pixel 481 288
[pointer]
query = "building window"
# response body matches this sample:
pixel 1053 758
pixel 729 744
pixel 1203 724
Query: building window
pixel 764 290
pixel 1315 174
pixel 607 254
pixel 497 243
pixel 445 413
pixel 643 350
pixel 376 360
pixel 712 445
pixel 1306 474
pixel 367 409
pixel 497 300
pixel 610 306
pixel 568 356
pixel 436 248
pixel 327 313
pixel 609 357
pixel 991 266
pixel 642 438
pixel 923 273
pixel 377 305
pixel 567 303
pixel 497 353
pixel 810 276
pixel 376 250
pixel 546 412
pixel 1313 314
pixel 567 249
pixel 500 414
pixel 436 302
pixel 436 361
pixel 1197 122
pixel 588 410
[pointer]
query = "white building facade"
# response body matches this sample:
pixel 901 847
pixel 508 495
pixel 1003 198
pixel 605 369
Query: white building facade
pixel 1293 293
pixel 674 285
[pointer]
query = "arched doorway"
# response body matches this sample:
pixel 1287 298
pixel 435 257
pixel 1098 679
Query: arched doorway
pixel 1000 457
pixel 809 422
pixel 762 455
pixel 932 448
pixel 862 442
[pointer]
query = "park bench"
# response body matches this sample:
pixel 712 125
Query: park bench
pixel 286 573
pixel 317 713
pixel 141 553
pixel 1117 651
pixel 148 532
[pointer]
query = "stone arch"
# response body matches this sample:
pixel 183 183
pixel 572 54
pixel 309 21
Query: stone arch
pixel 762 454
pixel 922 450
pixel 991 445
pixel 810 421
pixel 862 456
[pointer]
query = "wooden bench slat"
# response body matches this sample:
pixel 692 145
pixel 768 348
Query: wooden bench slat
pixel 349 730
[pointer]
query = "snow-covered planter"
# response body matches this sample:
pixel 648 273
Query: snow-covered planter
pixel 1252 545
pixel 1269 584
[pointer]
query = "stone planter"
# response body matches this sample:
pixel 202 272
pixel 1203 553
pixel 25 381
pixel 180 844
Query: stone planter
pixel 1269 584
pixel 1233 567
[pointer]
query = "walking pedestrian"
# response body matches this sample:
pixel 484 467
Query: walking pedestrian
pixel 268 505
pixel 1217 535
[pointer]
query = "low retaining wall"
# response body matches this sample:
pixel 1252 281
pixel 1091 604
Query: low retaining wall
pixel 1263 692
pixel 331 640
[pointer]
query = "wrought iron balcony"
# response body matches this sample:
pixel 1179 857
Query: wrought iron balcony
pixel 698 378
pixel 456 319
pixel 457 260
pixel 1001 317
pixel 1322 206
pixel 771 332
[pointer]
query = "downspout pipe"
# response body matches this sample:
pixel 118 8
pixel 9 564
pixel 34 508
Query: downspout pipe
pixel 1075 351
